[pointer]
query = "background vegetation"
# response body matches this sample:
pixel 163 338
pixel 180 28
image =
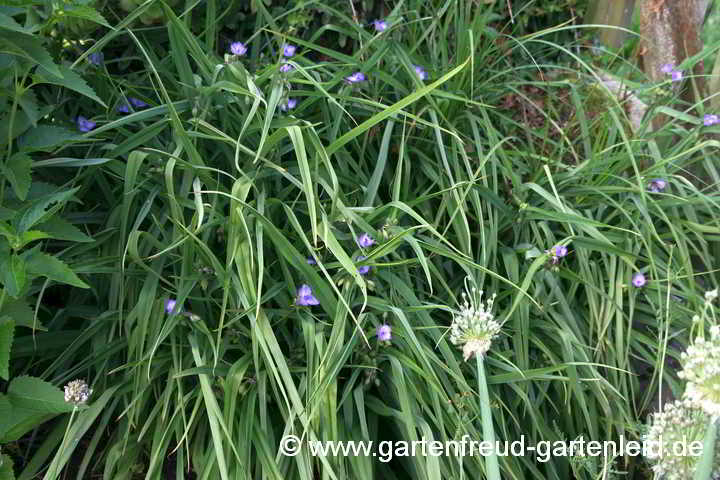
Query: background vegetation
pixel 211 191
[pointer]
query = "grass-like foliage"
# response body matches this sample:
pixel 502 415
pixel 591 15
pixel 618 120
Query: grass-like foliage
pixel 235 242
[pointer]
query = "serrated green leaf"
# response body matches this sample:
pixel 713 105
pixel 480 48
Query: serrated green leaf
pixel 29 47
pixel 9 23
pixel 61 229
pixel 7 330
pixel 46 137
pixel 17 172
pixel 87 13
pixel 21 421
pixel 6 468
pixel 42 209
pixel 28 102
pixel 44 265
pixel 68 79
pixel 22 314
pixel 13 274
pixel 38 395
pixel 31 236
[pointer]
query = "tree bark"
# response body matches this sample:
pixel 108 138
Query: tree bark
pixel 670 30
pixel 616 13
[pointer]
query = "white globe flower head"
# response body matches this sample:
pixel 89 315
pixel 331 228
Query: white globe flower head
pixel 77 392
pixel 679 422
pixel 711 295
pixel 474 326
pixel 701 370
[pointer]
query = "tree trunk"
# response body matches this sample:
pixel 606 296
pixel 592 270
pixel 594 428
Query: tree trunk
pixel 671 33
pixel 615 13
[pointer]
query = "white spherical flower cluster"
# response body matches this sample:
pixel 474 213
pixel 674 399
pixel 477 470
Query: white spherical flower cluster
pixel 701 370
pixel 474 326
pixel 711 295
pixel 680 422
pixel 77 392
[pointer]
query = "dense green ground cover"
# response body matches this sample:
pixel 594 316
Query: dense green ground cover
pixel 470 146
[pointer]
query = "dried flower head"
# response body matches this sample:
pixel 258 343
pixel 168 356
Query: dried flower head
pixel 474 326
pixel 680 422
pixel 701 371
pixel 77 392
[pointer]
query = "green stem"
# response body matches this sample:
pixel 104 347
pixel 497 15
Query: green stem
pixel 491 461
pixel 704 468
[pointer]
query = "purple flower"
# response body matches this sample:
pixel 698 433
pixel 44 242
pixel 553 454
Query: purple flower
pixel 365 240
pixel 286 67
pixel 170 305
pixel 384 332
pixel 657 185
pixel 305 297
pixel 365 269
pixel 559 251
pixel 710 119
pixel 96 58
pixel 311 261
pixel 137 103
pixel 291 103
pixel 356 77
pixel 638 280
pixel 289 50
pixel 669 69
pixel 421 73
pixel 85 125
pixel 238 48
pixel 380 25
